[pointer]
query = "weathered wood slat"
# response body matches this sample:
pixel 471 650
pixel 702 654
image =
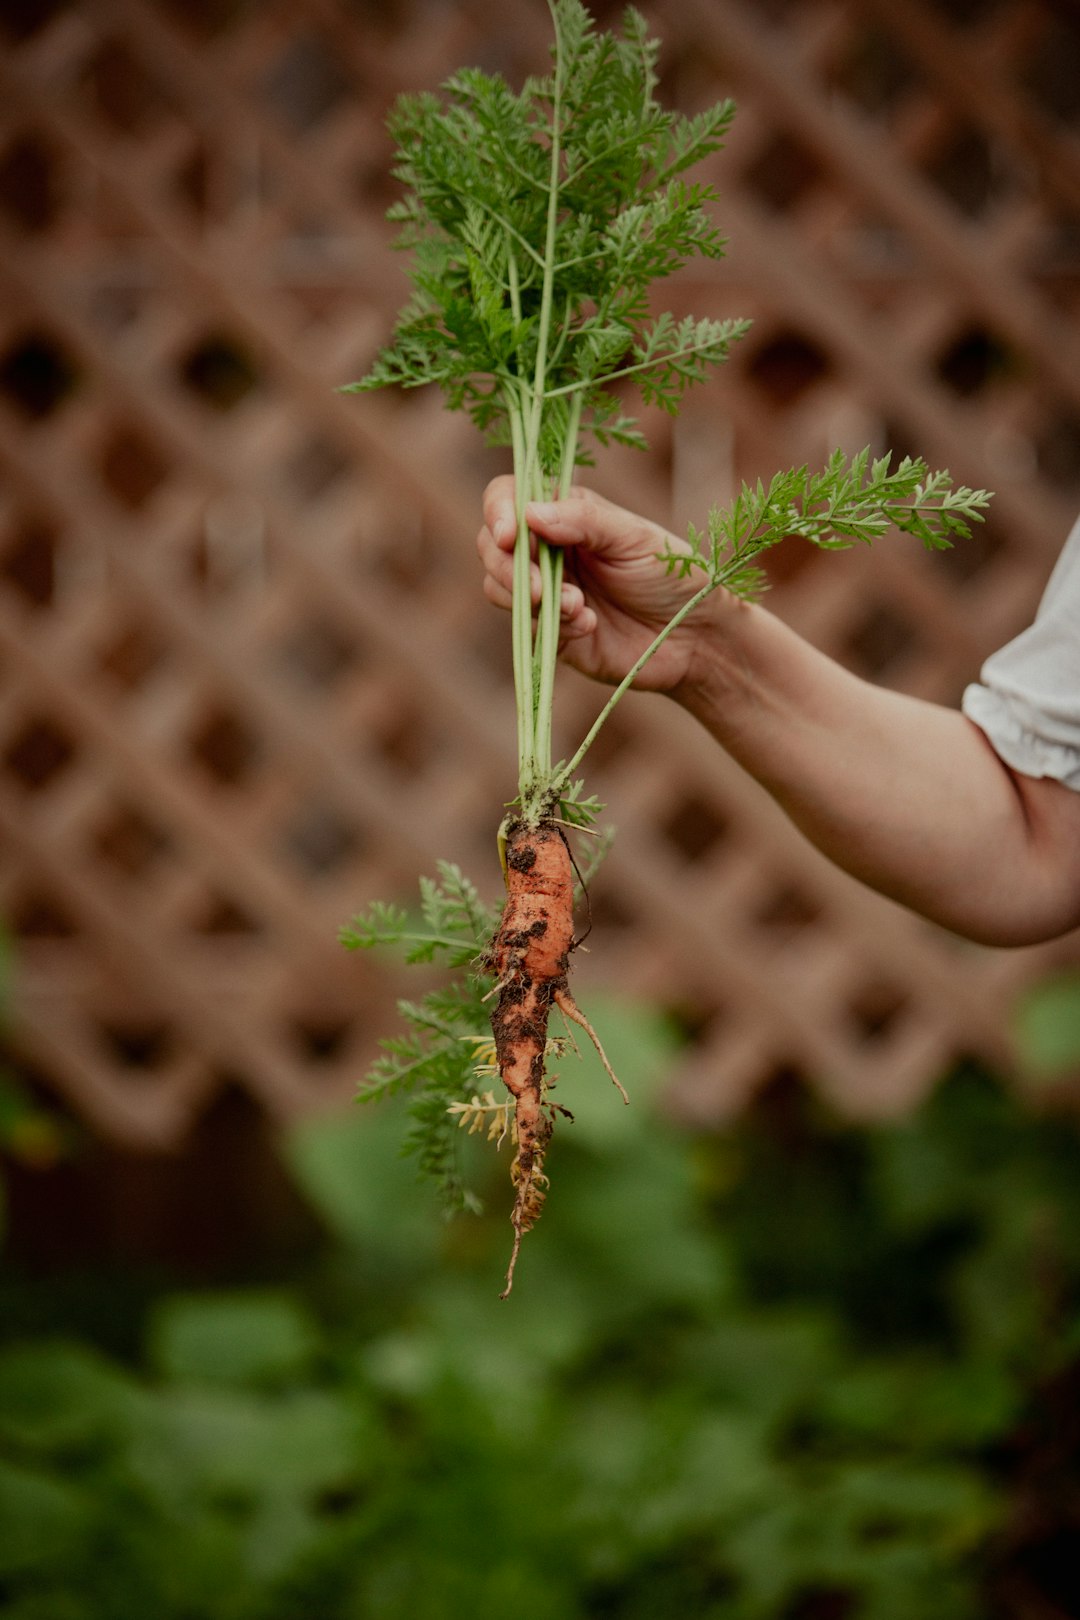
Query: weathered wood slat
pixel 247 682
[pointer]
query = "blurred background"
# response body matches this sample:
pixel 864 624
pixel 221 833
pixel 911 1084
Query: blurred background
pixel 799 1341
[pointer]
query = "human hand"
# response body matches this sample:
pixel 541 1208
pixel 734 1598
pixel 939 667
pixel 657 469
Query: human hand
pixel 617 595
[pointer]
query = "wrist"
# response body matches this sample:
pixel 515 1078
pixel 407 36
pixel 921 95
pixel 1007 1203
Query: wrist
pixel 716 664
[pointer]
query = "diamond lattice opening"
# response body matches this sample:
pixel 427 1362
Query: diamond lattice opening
pixel 316 655
pixel 615 744
pixel 131 842
pixel 222 917
pixel 697 1017
pixel 226 747
pixel 29 563
pixel 219 371
pixel 124 93
pixel 881 639
pixel 876 1012
pixel 200 184
pixel 610 913
pixel 315 468
pixel 970 172
pixel 30 184
pixel 306 84
pixel 318 841
pixel 786 913
pixel 973 361
pixel 977 553
pixel 21 19
pixel 783 172
pixel 1052 74
pixel 37 375
pixel 875 73
pixel 39 753
pixel 695 828
pixel 138 1044
pixel 406 742
pixel 322 1040
pixel 36 914
pixel 966 12
pixel 1057 451
pixel 787 366
pixel 205 18
pixel 796 556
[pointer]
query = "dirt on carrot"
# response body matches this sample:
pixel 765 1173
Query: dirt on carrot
pixel 530 957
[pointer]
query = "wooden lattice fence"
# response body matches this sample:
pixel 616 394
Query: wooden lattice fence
pixel 246 679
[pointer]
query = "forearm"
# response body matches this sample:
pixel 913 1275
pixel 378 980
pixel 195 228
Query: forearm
pixel 905 795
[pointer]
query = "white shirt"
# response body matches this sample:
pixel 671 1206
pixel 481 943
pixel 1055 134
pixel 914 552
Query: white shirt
pixel 1029 701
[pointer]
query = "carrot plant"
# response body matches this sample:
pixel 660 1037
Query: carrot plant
pixel 538 222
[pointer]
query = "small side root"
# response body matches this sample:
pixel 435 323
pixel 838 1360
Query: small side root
pixel 570 1009
pixel 531 1189
pixel 513 1262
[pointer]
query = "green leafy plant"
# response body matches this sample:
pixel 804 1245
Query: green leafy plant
pixel 438 1058
pixel 796 1368
pixel 538 222
pixel 1047 1026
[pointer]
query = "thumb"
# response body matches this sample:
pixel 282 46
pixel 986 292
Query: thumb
pixel 597 525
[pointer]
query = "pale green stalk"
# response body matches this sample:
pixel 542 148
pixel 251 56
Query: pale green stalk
pixel 521 615
pixel 566 774
pixel 521 607
pixel 534 752
pixel 644 365
pixel 547 638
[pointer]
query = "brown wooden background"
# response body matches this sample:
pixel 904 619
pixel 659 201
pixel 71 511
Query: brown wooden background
pixel 247 682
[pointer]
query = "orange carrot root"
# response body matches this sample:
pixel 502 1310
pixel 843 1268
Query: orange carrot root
pixel 530 956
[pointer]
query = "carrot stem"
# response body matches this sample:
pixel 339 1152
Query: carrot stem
pixel 631 676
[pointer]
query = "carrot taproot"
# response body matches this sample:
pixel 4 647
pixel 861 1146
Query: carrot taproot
pixel 530 956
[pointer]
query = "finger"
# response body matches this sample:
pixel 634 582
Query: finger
pixel 499 511
pixel 577 629
pixel 496 593
pixel 586 519
pixel 499 565
pixel 579 625
pixel 498 586
pixel 571 603
pixel 495 559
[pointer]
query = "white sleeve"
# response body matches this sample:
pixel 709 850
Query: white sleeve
pixel 1028 699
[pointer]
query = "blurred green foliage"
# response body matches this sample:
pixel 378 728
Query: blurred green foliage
pixel 771 1374
pixel 29 1134
pixel 1048 1027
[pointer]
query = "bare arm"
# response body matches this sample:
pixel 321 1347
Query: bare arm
pixel 907 796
